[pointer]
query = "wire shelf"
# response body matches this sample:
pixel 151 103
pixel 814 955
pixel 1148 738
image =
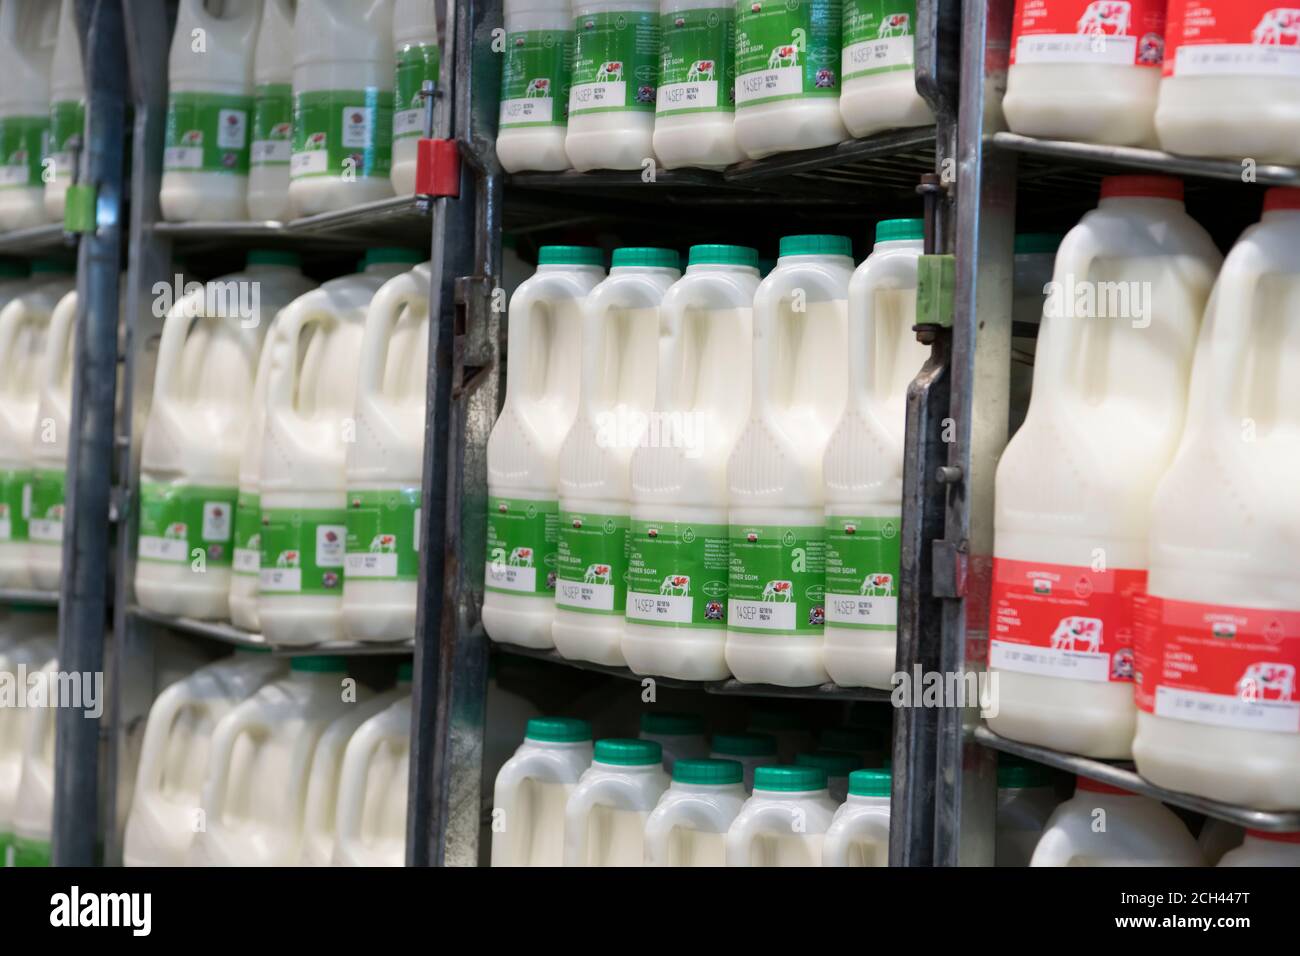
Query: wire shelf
pixel 238 637
pixel 36 240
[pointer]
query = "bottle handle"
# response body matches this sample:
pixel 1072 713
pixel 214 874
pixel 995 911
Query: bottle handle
pixel 58 344
pixel 162 716
pixel 835 849
pixel 360 753
pixel 687 811
pixel 1061 333
pixel 171 348
pixel 772 382
pixel 233 726
pixel 768 819
pixel 576 813
pixel 1229 339
pixel 397 294
pixel 11 317
pixel 283 371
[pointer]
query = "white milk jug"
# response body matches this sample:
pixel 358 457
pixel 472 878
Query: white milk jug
pixel 28 32
pixel 320 818
pixel 535 74
pixel 788 75
pixel 1086 70
pixel 1026 800
pixel 164 815
pixel 859 832
pixel 386 462
pixel 542 374
pixel 864 462
pixel 1103 825
pixel 620 342
pixel 210 110
pixel 67 110
pixel 189 467
pixel 605 818
pixel 33 812
pixel 878 68
pixel 613 84
pixel 415 45
pixel 784 822
pixel 679 736
pixel 28 637
pixel 695 110
pixel 24 326
pixel 370 822
pixel 255 791
pixel 50 439
pixel 1110 385
pixel 271 142
pixel 749 750
pixel 342 104
pixel 678 541
pixel 1261 848
pixel 1229 85
pixel 532 790
pixel 837 765
pixel 688 826
pixel 775 607
pixel 310 400
pixel 1218 655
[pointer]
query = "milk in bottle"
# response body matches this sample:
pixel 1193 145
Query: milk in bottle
pixel 67 110
pixel 695 109
pixel 371 818
pixel 272 136
pixel 859 831
pixel 878 68
pixel 29 638
pixel 28 32
pixel 415 49
pixel 533 788
pixel 1110 385
pixel 688 827
pixel 535 74
pixel 784 822
pixel 677 546
pixel 605 818
pixel 33 810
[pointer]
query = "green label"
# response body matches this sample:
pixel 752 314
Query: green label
pixel 677 574
pixel 207 132
pixel 384 534
pixel 22 143
pixel 878 36
pixel 862 562
pixel 592 566
pixel 176 521
pixel 697 68
pixel 248 534
pixel 15 504
pixel 272 125
pixel 25 852
pixel 342 133
pixel 778 579
pixel 67 119
pixel 415 64
pixel 615 62
pixel 302 551
pixel 522 544
pixel 535 78
pixel 786 49
pixel 45 517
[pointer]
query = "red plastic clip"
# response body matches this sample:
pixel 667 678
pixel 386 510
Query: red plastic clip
pixel 437 168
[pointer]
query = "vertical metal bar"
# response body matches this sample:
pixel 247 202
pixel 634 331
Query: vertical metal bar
pixel 86 550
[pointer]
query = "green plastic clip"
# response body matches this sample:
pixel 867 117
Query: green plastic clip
pixel 79 208
pixel 936 290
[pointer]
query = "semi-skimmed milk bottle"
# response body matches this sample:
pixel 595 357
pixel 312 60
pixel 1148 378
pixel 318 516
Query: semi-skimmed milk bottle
pixel 605 818
pixel 386 462
pixel 535 74
pixel 1086 70
pixel 28 30
pixel 342 104
pixel 688 826
pixel 67 111
pixel 678 541
pixel 788 75
pixel 784 822
pixel 310 421
pixel 1229 85
pixel 775 607
pixel 864 462
pixel 370 823
pixel 613 90
pixel 695 110
pixel 210 110
pixel 415 50
pixel 620 342
pixel 28 636
pixel 859 832
pixel 272 135
pixel 1219 649
pixel 33 814
pixel 545 350
pixel 189 467
pixel 533 788
pixel 879 68
pixel 1070 528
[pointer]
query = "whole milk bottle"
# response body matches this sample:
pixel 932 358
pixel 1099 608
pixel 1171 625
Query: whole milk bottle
pixel 535 73
pixel 415 50
pixel 272 142
pixel 67 110
pixel 28 31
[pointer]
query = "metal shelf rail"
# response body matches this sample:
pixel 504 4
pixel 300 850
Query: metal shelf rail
pixel 20 596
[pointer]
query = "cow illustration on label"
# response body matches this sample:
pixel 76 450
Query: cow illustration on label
pixel 876 585
pixel 894 25
pixel 282 131
pixel 783 57
pixel 176 531
pixel 192 137
pixel 610 72
pixel 1267 681
pixel 701 71
pixel 289 559
pixel 383 544
pixel 520 558
pixel 316 141
pixel 539 88
pixel 597 574
pixel 782 591
pixel 678 585
pixel 1073 631
pixel 55 512
pixel 1106 18
pixel 1278 27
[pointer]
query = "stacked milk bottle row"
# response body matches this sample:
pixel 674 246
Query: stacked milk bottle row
pixel 282 108
pixel 1146 596
pixel 42 109
pixel 559 801
pixel 37 323
pixel 614 84
pixel 282 457
pixel 248 763
pixel 1217 78
pixel 28 643
pixel 700 476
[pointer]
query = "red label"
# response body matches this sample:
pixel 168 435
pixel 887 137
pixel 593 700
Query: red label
pixel 1109 32
pixel 1232 37
pixel 1058 620
pixel 1213 664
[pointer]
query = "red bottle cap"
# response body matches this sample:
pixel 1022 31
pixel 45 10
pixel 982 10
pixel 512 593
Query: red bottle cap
pixel 1142 187
pixel 1088 785
pixel 1282 197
